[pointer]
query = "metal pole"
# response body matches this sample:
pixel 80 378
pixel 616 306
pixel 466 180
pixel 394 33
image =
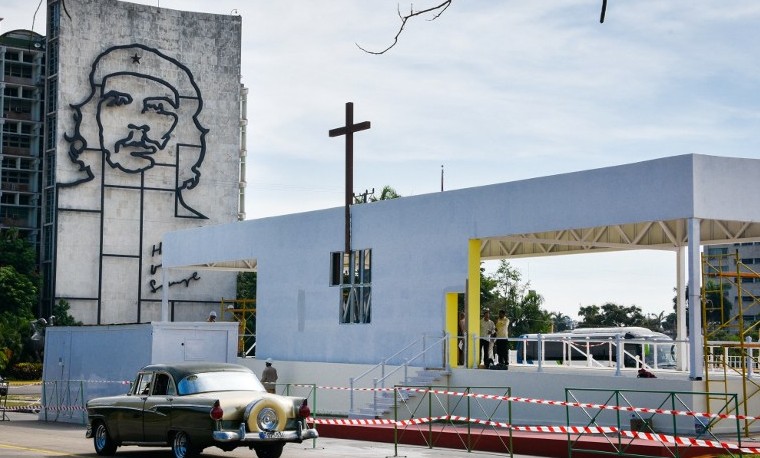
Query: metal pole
pixel 620 354
pixel 540 345
pixel 351 395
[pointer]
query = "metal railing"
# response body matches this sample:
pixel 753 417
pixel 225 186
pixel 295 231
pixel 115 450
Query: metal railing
pixel 617 352
pixel 733 355
pixel 438 343
pixel 648 411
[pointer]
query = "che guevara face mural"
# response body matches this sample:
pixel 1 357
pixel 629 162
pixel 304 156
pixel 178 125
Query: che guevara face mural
pixel 141 113
pixel 141 124
pixel 137 145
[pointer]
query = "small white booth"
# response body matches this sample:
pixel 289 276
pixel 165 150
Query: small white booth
pixel 84 362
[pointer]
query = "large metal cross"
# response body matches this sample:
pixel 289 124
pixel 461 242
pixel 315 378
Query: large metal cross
pixel 348 130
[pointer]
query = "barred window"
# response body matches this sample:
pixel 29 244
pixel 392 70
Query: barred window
pixel 352 273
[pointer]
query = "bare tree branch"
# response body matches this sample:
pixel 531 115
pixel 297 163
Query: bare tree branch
pixel 604 11
pixel 439 9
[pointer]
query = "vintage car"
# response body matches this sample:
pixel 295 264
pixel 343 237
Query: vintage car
pixel 191 406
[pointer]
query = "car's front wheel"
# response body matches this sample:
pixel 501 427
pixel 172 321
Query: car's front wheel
pixel 182 447
pixel 273 450
pixel 104 445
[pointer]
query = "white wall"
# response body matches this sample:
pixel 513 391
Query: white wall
pixel 84 362
pixel 419 246
pixel 552 384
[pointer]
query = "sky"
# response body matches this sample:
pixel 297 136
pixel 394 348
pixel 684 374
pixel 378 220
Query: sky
pixel 489 92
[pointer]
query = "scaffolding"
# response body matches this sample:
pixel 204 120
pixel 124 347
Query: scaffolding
pixel 730 355
pixel 244 312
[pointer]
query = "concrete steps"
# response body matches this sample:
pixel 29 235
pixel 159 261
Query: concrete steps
pixel 383 408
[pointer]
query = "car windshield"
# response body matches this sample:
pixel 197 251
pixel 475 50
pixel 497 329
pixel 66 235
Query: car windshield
pixel 219 381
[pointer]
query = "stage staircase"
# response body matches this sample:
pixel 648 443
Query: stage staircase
pixel 382 404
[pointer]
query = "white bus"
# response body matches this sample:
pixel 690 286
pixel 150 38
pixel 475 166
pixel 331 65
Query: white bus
pixel 600 344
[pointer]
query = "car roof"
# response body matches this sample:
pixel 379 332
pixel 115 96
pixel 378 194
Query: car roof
pixel 180 370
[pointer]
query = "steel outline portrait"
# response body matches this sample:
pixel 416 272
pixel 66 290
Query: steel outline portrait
pixel 142 146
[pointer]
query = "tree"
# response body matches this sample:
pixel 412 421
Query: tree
pixel 19 291
pixel 717 305
pixel 560 322
pixel 61 314
pixel 17 252
pixel 488 292
pixel 509 283
pixel 17 298
pixel 387 193
pixel 246 285
pixel 655 322
pixel 591 316
pixel 528 317
pixel 611 314
pixel 14 333
pixel 505 290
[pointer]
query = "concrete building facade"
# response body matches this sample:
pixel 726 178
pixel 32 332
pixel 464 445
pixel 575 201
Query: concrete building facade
pixel 740 262
pixel 420 252
pixel 143 136
pixel 22 77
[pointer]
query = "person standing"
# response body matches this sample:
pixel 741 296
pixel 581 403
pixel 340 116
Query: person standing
pixel 502 342
pixel 269 376
pixel 212 317
pixel 487 330
pixel 461 338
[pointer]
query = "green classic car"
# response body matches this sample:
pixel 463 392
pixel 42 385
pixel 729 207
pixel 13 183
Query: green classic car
pixel 191 406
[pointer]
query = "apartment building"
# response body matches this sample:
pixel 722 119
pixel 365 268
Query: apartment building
pixel 22 72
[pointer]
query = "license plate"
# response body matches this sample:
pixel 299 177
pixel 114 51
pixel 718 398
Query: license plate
pixel 270 435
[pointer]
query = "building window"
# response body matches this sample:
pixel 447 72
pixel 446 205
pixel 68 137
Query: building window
pixel 50 168
pixel 18 70
pixel 352 274
pixel 711 251
pixel 52 92
pixel 49 209
pixel 50 139
pixel 54 19
pixel 16 141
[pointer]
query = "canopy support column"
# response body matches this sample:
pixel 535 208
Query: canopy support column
pixel 682 354
pixel 696 352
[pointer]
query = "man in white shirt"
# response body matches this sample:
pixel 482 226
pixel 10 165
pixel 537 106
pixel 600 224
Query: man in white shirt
pixel 487 330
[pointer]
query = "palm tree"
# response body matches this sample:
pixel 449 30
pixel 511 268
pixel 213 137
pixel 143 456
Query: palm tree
pixel 560 322
pixel 386 194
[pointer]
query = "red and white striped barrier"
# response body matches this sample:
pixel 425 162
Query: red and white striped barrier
pixel 663 438
pixel 24 407
pixel 654 437
pixel 552 403
pixel 120 382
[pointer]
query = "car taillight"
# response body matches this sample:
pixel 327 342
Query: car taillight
pixel 304 411
pixel 216 412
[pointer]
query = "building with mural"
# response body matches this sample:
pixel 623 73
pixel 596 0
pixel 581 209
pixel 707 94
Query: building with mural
pixel 122 123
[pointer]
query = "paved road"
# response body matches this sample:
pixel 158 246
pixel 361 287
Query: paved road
pixel 24 436
pixel 30 389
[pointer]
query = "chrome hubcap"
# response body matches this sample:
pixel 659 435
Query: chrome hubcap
pixel 100 436
pixel 180 445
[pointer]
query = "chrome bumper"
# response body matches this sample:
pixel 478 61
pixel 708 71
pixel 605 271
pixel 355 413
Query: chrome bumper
pixel 276 436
